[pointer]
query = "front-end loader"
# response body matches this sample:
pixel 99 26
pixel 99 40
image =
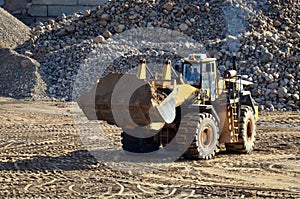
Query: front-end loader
pixel 144 102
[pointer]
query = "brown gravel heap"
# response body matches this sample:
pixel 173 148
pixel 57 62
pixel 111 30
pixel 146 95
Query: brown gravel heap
pixel 12 31
pixel 19 76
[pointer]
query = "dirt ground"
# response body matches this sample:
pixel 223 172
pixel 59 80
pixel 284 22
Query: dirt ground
pixel 42 155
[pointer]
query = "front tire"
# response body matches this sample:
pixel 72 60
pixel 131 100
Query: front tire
pixel 138 145
pixel 206 138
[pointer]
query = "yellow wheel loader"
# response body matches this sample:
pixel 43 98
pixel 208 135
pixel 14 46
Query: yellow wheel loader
pixel 155 110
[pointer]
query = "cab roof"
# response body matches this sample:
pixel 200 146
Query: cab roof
pixel 198 58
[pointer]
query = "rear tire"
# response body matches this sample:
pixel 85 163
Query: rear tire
pixel 247 129
pixel 247 132
pixel 138 145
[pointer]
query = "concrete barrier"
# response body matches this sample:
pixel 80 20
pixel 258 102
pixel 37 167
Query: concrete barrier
pixel 38 10
pixel 58 10
pixel 52 8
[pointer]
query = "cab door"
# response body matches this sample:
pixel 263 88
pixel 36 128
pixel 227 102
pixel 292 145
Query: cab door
pixel 208 74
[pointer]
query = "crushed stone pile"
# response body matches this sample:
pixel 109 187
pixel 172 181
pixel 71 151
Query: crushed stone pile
pixel 12 31
pixel 19 76
pixel 263 35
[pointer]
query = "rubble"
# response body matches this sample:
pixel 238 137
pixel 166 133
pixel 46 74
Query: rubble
pixel 263 35
pixel 19 76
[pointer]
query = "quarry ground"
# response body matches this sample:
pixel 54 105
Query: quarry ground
pixel 42 155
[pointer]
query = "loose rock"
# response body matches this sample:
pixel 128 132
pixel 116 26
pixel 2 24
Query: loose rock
pixel 107 34
pixel 168 6
pixel 99 39
pixel 183 27
pixel 119 28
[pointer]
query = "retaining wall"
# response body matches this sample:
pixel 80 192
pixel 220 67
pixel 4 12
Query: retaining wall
pixel 49 8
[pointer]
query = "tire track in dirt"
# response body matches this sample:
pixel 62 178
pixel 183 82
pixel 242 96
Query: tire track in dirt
pixel 41 154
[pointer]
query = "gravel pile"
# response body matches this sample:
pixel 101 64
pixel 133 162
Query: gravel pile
pixel 263 35
pixel 269 54
pixel 12 31
pixel 272 48
pixel 19 76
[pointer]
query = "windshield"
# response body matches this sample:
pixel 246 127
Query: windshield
pixel 201 75
pixel 192 73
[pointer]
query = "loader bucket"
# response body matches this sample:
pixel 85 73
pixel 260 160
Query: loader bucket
pixel 126 101
pixel 166 108
pixel 96 103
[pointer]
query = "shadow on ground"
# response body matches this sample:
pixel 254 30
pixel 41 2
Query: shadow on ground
pixel 84 160
pixel 77 160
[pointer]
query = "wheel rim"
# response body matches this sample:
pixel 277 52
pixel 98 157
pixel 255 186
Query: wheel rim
pixel 206 136
pixel 249 130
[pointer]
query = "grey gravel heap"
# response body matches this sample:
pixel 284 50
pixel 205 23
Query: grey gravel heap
pixel 263 35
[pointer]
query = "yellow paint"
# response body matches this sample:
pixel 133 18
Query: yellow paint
pixel 142 70
pixel 201 61
pixel 167 70
pixel 256 112
pixel 184 91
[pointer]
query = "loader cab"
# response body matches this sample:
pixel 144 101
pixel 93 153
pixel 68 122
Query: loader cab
pixel 201 72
